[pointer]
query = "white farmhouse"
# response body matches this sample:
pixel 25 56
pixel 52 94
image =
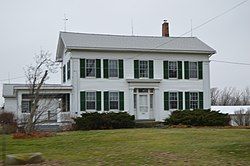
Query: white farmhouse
pixel 146 76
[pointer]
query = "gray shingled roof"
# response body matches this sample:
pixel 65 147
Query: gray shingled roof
pixel 85 41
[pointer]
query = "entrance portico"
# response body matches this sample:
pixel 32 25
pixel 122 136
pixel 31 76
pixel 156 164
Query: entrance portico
pixel 143 94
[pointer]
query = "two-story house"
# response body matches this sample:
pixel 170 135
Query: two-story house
pixel 143 75
pixel 146 76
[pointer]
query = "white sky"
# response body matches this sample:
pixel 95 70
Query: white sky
pixel 27 26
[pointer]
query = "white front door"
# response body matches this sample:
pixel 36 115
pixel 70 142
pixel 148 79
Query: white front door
pixel 143 107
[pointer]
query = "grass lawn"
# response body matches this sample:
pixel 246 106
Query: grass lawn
pixel 191 146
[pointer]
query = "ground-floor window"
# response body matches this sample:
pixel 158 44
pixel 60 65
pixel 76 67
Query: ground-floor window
pixel 194 100
pixel 114 100
pixel 90 100
pixel 173 100
pixel 26 106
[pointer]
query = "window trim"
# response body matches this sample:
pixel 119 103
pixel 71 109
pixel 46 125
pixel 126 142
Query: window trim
pixel 177 71
pixel 197 70
pixel 177 104
pixel 118 100
pixel 116 69
pixel 86 92
pixel 193 100
pixel 86 76
pixel 139 66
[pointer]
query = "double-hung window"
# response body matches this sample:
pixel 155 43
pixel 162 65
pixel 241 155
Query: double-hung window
pixel 90 100
pixel 90 67
pixel 193 100
pixel 26 106
pixel 193 70
pixel 173 100
pixel 143 69
pixel 114 100
pixel 113 68
pixel 173 68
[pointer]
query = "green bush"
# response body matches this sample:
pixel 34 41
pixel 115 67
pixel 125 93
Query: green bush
pixel 198 117
pixel 109 120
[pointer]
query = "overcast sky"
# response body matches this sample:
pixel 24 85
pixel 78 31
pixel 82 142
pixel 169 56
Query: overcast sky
pixel 28 26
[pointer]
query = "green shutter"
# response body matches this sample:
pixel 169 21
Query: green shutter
pixel 166 101
pixel 179 69
pixel 136 68
pixel 200 100
pixel 186 67
pixel 151 69
pixel 64 73
pixel 106 101
pixel 200 69
pixel 82 68
pixel 121 101
pixel 105 68
pixel 121 68
pixel 98 68
pixel 180 95
pixel 187 100
pixel 165 69
pixel 98 101
pixel 82 101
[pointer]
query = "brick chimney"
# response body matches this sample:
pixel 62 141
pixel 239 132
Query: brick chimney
pixel 165 29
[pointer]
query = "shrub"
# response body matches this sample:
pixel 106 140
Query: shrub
pixel 198 117
pixel 110 120
pixel 8 123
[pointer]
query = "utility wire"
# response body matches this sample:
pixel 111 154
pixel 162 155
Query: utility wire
pixel 197 27
pixel 230 62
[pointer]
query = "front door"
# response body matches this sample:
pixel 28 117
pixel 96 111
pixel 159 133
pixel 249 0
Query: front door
pixel 143 107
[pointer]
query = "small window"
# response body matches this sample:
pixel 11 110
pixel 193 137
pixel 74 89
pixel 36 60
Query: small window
pixel 172 69
pixel 90 100
pixel 68 70
pixel 26 106
pixel 113 100
pixel 151 101
pixel 113 68
pixel 135 101
pixel 173 100
pixel 90 67
pixel 193 100
pixel 64 73
pixel 143 69
pixel 193 70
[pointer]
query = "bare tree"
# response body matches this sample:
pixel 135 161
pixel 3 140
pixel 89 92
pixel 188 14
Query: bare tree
pixel 226 96
pixel 238 117
pixel 36 74
pixel 215 95
pixel 246 96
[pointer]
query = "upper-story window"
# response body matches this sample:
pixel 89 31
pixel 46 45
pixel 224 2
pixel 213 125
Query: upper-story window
pixel 113 68
pixel 173 68
pixel 90 67
pixel 143 69
pixel 193 100
pixel 173 100
pixel 64 73
pixel 193 70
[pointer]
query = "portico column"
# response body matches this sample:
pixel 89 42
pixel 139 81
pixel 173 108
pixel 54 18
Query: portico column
pixel 131 101
pixel 19 105
pixel 157 103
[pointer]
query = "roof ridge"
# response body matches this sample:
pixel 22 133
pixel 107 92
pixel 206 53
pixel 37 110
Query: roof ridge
pixel 117 35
